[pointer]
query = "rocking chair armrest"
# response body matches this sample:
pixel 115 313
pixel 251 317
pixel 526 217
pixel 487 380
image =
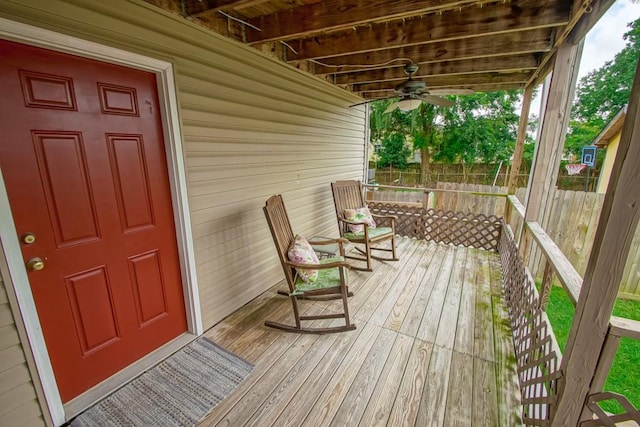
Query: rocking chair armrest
pixel 391 217
pixel 328 241
pixel 319 266
pixel 351 222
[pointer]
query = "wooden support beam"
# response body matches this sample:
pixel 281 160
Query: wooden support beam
pixel 584 25
pixel 543 71
pixel 221 25
pixel 526 62
pixel 532 41
pixel 609 350
pixel 618 221
pixel 520 139
pixel 545 288
pixel 625 328
pixel 492 19
pixel 552 136
pixel 579 19
pixel 517 205
pixel 196 8
pixel 565 271
pixel 333 15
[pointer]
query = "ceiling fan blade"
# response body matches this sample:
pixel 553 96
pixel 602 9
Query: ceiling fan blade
pixel 372 100
pixel 391 107
pixel 452 91
pixel 436 100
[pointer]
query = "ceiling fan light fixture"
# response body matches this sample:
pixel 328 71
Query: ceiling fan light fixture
pixel 409 104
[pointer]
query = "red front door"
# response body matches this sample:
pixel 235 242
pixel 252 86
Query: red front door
pixel 82 156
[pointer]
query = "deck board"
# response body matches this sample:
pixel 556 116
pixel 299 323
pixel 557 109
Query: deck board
pixel 432 347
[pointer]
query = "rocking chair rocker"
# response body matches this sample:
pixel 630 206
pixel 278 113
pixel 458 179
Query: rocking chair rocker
pixel 331 278
pixel 347 195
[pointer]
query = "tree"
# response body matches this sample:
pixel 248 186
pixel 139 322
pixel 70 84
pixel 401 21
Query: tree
pixel 480 128
pixel 394 151
pixel 603 92
pixel 580 134
pixel 418 125
pixel 391 130
pixel 425 137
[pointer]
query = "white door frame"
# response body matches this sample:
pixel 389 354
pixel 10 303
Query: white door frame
pixel 27 34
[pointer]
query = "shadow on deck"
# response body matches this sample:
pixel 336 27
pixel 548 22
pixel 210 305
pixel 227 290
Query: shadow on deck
pixel 433 347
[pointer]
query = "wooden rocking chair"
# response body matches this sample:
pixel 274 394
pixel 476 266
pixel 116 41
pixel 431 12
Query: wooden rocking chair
pixel 331 280
pixel 348 195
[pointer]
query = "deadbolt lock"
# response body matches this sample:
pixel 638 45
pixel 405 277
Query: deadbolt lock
pixel 28 238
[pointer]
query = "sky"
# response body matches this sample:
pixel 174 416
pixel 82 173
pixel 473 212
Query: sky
pixel 604 40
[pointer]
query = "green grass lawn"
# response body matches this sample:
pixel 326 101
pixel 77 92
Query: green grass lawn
pixel 623 377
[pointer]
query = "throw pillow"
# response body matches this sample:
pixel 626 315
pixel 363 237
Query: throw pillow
pixel 301 252
pixel 359 215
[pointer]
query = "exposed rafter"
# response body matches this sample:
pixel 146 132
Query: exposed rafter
pixel 363 45
pixel 197 8
pixel 477 47
pixel 526 62
pixel 335 15
pixel 434 28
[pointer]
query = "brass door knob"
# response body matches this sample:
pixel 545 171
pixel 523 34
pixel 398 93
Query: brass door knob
pixel 35 264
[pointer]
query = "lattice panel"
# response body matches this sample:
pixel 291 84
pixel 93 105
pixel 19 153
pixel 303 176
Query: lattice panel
pixel 537 362
pixel 471 230
pixel 604 419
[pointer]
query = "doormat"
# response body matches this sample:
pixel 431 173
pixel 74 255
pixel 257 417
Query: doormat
pixel 179 391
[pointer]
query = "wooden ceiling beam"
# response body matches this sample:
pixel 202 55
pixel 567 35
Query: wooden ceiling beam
pixel 471 66
pixel 598 9
pixel 531 41
pixel 196 8
pixel 438 82
pixel 472 21
pixel 578 26
pixel 332 15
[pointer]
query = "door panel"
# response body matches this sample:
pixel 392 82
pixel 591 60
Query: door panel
pixel 94 312
pixel 146 275
pixel 83 160
pixel 63 172
pixel 129 169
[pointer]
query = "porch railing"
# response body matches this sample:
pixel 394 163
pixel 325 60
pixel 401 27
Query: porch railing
pixel 556 263
pixel 537 352
pixel 419 220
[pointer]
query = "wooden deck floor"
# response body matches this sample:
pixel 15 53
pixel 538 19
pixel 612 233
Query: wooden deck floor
pixel 432 347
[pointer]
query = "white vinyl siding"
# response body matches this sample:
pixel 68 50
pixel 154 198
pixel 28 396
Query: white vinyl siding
pixel 252 127
pixel 18 401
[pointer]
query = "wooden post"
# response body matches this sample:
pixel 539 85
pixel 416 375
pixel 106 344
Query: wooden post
pixel 552 136
pixel 522 136
pixel 545 289
pixel 507 211
pixel 618 220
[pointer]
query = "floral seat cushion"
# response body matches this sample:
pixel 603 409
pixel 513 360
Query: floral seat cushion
pixel 359 215
pixel 301 252
pixel 373 233
pixel 326 278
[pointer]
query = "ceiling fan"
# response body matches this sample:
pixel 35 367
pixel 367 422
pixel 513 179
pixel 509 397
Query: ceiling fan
pixel 413 92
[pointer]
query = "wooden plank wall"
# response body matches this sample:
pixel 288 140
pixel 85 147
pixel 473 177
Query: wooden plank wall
pixel 18 399
pixel 571 223
pixel 252 127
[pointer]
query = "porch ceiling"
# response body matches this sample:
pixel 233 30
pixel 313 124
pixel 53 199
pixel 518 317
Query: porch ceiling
pixel 362 45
